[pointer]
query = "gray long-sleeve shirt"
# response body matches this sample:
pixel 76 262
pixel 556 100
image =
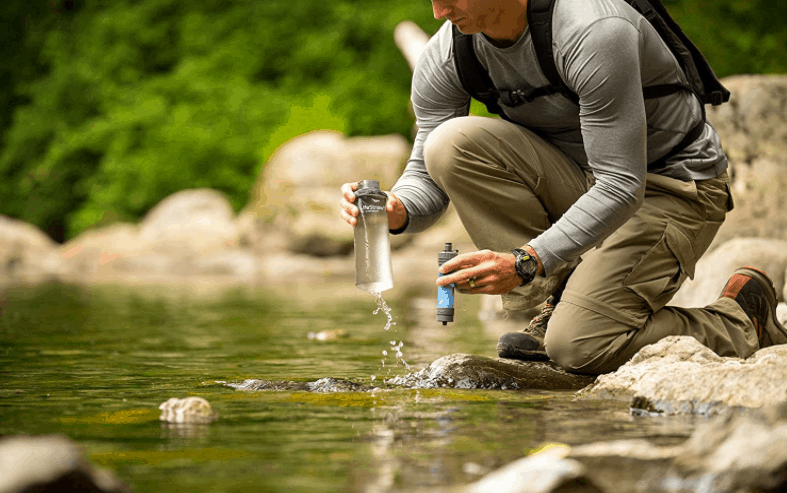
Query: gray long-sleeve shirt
pixel 605 52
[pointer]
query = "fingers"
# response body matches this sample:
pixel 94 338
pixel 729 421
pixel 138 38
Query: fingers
pixel 466 261
pixel 482 272
pixel 349 212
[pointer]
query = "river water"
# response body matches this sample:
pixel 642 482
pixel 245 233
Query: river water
pixel 95 363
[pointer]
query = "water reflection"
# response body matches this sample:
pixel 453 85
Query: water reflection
pixel 184 432
pixel 120 352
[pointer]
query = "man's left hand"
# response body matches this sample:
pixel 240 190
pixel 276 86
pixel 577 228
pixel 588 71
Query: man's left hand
pixel 481 272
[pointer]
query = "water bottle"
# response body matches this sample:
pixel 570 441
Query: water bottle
pixel 445 294
pixel 373 271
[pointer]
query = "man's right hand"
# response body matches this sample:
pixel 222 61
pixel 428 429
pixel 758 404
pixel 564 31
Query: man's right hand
pixel 397 214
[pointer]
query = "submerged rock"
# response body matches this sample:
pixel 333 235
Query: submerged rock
pixel 321 385
pixel 458 371
pixel 51 463
pixel 464 371
pixel 678 375
pixel 188 410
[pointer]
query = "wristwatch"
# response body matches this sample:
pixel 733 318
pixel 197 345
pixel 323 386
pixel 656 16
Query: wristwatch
pixel 526 266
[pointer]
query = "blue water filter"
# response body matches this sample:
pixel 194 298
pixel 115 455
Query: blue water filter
pixel 445 294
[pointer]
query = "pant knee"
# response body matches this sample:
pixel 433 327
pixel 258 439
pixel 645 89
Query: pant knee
pixel 568 345
pixel 447 143
pixel 562 350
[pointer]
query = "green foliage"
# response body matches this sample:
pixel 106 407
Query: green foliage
pixel 110 106
pixel 134 100
pixel 736 36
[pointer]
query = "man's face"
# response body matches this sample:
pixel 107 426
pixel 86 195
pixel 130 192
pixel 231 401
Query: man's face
pixel 468 15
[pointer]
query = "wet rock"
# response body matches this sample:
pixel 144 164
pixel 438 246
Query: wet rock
pixel 26 253
pixel 619 466
pixel 51 464
pixel 678 375
pixel 458 371
pixel 322 385
pixel 545 472
pixel 294 203
pixel 464 371
pixel 188 410
pixel 714 269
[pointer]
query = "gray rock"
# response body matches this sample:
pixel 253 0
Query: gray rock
pixel 545 472
pixel 51 464
pixel 715 268
pixel 456 371
pixel 678 375
pixel 619 466
pixel 294 204
pixel 753 131
pixel 27 254
pixel 464 371
pixel 192 233
pixel 742 452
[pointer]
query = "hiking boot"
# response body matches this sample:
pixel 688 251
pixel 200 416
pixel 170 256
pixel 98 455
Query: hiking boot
pixel 753 290
pixel 529 343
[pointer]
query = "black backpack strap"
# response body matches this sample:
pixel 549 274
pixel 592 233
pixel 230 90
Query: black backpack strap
pixel 473 76
pixel 703 80
pixel 539 18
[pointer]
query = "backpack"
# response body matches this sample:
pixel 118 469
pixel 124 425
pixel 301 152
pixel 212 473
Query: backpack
pixel 703 83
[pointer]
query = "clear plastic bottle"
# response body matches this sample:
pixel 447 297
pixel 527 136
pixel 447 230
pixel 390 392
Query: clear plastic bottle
pixel 373 271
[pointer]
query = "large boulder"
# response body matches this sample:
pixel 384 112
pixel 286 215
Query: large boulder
pixel 51 464
pixel 753 130
pixel 190 233
pixel 294 203
pixel 27 254
pixel 678 375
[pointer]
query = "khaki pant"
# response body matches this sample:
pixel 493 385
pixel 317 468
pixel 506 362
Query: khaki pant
pixel 508 185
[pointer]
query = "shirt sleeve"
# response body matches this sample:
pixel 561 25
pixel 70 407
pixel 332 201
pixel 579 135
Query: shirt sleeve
pixel 437 96
pixel 601 64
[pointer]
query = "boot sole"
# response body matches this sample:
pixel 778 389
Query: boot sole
pixel 508 351
pixel 772 325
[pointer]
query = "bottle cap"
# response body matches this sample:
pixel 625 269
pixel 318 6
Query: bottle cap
pixel 369 187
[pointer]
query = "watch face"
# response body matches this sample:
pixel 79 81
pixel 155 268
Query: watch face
pixel 530 264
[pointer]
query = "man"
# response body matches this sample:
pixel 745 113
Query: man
pixel 556 181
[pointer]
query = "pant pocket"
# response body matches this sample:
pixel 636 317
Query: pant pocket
pixel 659 273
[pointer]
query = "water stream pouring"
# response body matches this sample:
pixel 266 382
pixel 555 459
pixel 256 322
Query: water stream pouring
pixel 373 271
pixel 445 294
